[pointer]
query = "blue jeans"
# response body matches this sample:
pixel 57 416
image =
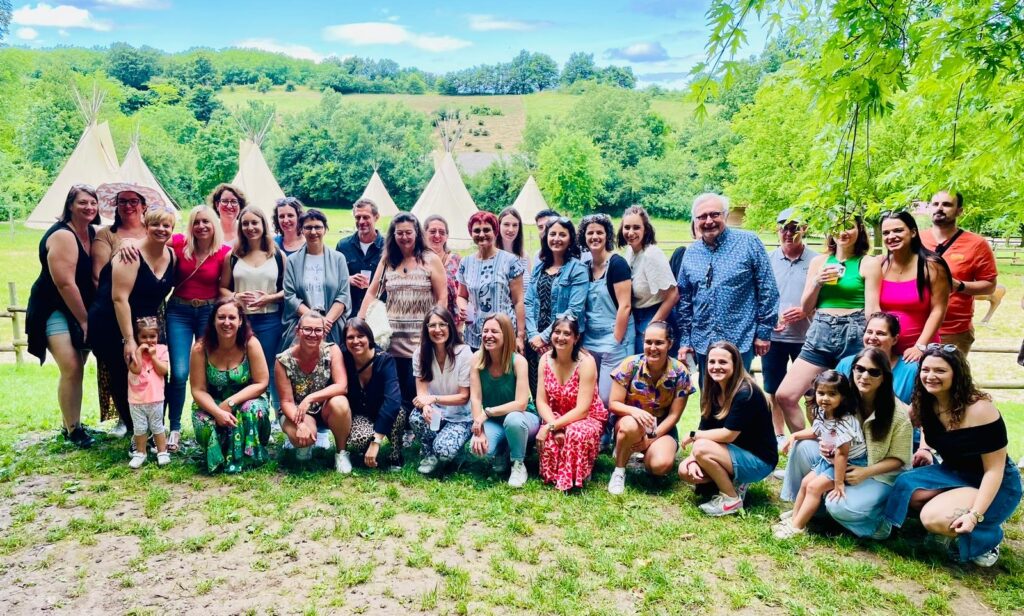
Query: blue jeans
pixel 185 324
pixel 802 458
pixel 861 511
pixel 514 431
pixel 268 328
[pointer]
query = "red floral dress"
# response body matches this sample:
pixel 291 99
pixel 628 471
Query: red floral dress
pixel 568 464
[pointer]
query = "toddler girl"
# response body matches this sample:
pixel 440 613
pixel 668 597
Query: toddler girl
pixel 146 374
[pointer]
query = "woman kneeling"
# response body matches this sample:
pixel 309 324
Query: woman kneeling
pixel 734 444
pixel 311 384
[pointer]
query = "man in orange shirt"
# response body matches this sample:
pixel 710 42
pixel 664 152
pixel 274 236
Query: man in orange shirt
pixel 971 262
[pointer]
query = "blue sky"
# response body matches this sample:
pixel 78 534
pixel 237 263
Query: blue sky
pixel 660 39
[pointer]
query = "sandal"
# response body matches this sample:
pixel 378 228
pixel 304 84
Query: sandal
pixel 173 441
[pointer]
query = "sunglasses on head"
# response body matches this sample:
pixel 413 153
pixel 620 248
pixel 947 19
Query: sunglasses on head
pixel 874 372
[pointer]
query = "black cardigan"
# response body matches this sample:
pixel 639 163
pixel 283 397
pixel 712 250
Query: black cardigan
pixel 381 401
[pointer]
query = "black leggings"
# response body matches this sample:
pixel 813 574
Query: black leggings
pixel 113 360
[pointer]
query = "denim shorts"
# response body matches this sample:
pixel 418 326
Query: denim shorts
pixel 746 467
pixel 831 338
pixel 57 324
pixel 825 467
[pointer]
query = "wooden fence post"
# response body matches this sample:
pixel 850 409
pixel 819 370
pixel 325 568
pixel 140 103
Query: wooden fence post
pixel 17 342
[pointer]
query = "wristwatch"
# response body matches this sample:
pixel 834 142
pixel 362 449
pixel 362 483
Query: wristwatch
pixel 960 287
pixel 693 434
pixel 378 439
pixel 979 518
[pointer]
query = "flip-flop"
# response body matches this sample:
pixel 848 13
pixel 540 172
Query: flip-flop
pixel 173 441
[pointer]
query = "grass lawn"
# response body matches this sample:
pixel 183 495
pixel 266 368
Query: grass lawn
pixel 81 532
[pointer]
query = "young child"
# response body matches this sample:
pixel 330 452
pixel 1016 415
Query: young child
pixel 146 374
pixel 836 426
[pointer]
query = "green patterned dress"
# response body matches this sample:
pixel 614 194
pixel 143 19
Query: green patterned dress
pixel 243 446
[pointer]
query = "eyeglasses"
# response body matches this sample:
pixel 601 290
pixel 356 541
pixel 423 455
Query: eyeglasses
pixel 790 228
pixel 313 228
pixel 133 202
pixel 708 216
pixel 859 369
pixel 437 326
pixel 228 201
pixel 948 348
pixel 312 331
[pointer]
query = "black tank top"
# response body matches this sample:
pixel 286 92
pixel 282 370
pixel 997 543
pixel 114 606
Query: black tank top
pixel 961 449
pixel 45 299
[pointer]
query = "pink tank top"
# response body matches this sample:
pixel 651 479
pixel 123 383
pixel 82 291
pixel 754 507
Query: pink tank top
pixel 901 300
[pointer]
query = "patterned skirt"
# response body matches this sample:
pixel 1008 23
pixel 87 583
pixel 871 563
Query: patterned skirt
pixel 569 464
pixel 238 448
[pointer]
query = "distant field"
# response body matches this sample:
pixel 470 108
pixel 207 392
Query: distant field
pixel 504 132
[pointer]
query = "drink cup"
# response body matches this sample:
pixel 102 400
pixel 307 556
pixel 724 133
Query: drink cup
pixel 435 419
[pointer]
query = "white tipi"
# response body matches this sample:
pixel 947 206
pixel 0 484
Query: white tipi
pixel 135 170
pixel 530 201
pixel 93 161
pixel 378 193
pixel 254 176
pixel 447 195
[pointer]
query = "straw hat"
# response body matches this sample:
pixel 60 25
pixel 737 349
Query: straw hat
pixel 108 192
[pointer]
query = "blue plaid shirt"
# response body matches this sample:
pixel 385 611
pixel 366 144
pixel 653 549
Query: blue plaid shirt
pixel 726 293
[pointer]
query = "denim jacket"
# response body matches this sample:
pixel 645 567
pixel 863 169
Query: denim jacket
pixel 568 296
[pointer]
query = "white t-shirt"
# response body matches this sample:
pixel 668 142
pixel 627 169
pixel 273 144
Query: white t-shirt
pixel 448 382
pixel 652 276
pixel 313 282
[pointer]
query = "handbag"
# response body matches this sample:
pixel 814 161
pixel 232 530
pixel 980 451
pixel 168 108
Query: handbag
pixel 377 317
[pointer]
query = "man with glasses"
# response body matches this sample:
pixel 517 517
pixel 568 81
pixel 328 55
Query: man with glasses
pixel 362 250
pixel 971 262
pixel 727 290
pixel 789 266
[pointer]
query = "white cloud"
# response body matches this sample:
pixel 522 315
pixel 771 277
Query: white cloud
pixel 640 52
pixel 134 4
pixel 381 33
pixel 61 16
pixel 296 51
pixel 27 34
pixel 490 23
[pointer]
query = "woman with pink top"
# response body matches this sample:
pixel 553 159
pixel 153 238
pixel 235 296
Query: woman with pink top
pixel 915 285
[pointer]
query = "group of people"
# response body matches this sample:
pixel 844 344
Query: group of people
pixel 568 350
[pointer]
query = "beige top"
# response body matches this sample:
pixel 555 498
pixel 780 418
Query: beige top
pixel 897 445
pixel 652 276
pixel 262 278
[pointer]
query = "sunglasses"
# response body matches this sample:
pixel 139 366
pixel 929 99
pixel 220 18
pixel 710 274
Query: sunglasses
pixel 709 276
pixel 874 372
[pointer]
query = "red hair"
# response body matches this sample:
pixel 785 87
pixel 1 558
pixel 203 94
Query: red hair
pixel 482 217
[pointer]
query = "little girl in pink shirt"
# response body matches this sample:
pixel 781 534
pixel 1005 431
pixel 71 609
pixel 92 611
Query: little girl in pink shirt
pixel 146 374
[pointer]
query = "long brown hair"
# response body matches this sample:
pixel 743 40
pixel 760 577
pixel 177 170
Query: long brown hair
pixel 962 394
pixel 266 244
pixel 243 334
pixel 710 391
pixel 427 345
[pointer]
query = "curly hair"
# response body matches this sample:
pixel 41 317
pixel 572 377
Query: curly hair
pixel 962 393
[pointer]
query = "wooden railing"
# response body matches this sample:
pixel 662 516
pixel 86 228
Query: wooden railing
pixel 15 314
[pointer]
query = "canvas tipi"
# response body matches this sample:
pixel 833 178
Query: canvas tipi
pixel 135 170
pixel 530 201
pixel 254 177
pixel 378 193
pixel 447 195
pixel 93 161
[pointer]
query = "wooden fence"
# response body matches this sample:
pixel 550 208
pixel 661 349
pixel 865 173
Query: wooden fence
pixel 15 314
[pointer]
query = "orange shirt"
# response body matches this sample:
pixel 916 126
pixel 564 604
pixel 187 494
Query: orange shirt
pixel 970 259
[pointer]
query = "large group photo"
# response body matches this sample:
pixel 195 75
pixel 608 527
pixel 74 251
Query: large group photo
pixel 318 342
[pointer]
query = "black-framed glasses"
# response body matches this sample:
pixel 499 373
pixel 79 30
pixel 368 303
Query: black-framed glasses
pixel 790 228
pixel 708 216
pixel 709 276
pixel 312 228
pixel 874 372
pixel 134 202
pixel 936 346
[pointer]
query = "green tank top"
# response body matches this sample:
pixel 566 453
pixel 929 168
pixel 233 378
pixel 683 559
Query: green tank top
pixel 498 390
pixel 848 291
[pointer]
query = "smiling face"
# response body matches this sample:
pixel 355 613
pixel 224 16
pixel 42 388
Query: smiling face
pixel 491 336
pixel 313 230
pixel 896 235
pixel 437 328
pixel 720 366
pixel 656 346
pixel 936 375
pixel 846 234
pixel 709 217
pixel 252 227
pixel 791 233
pixel 160 229
pixel 633 231
pixel 202 226
pixel 945 209
pixel 129 205
pixel 437 235
pixel 509 229
pixel 483 235
pixel 877 334
pixel 227 321
pixel 866 376
pixel 405 237
pixel 558 239
pixel 563 339
pixel 355 341
pixel 596 237
pixel 366 222
pixel 228 206
pixel 85 207
pixel 311 330
pixel 287 218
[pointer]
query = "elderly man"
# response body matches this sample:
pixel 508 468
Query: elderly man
pixel 362 250
pixel 971 262
pixel 727 290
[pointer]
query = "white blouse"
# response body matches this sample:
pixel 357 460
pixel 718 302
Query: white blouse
pixel 652 276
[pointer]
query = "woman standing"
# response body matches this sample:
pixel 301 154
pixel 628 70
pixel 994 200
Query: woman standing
pixel 610 329
pixel 499 394
pixel 558 287
pixel 435 227
pixel 490 281
pixel 313 384
pixel 373 396
pixel 229 376
pixel 129 290
pixel 287 212
pixel 966 498
pixel 510 229
pixel 649 393
pixel 58 306
pixel 915 284
pixel 227 202
pixel 442 419
pixel 841 287
pixel 199 260
pixel 315 278
pixel 415 281
pixel 254 275
pixel 734 445
pixel 654 287
pixel 568 402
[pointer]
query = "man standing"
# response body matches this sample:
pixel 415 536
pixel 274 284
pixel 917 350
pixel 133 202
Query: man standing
pixel 971 262
pixel 789 265
pixel 726 287
pixel 362 250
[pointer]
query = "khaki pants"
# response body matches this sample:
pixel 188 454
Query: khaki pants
pixel 961 340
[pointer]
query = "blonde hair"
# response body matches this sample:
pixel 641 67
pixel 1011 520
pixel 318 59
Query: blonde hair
pixel 508 343
pixel 191 244
pixel 157 214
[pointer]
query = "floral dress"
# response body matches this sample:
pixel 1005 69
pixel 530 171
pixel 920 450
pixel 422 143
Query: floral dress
pixel 306 383
pixel 569 464
pixel 452 261
pixel 243 446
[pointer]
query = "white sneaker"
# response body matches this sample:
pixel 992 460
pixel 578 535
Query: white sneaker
pixel 785 530
pixel 119 430
pixel 722 505
pixel 779 474
pixel 617 482
pixel 304 454
pixel 163 458
pixel 517 478
pixel 137 460
pixel 428 465
pixel 785 515
pixel 342 462
pixel 323 440
pixel 988 558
